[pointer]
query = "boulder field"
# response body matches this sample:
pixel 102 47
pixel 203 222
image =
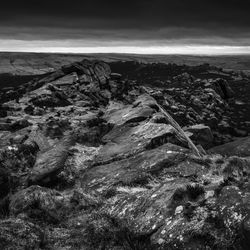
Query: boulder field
pixel 89 160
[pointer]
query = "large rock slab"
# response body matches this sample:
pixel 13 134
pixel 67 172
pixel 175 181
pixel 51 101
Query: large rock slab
pixel 144 211
pixel 52 161
pixel 45 96
pixel 240 147
pixel 137 170
pixel 129 139
pixel 181 214
pixel 66 81
pixel 119 114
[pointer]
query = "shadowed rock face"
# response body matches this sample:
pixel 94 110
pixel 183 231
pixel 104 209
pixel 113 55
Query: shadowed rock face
pixel 201 135
pixel 89 161
pixel 240 147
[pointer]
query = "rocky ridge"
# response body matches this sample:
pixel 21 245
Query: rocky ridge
pixel 88 160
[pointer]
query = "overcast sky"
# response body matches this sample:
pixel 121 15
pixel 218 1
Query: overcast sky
pixel 137 26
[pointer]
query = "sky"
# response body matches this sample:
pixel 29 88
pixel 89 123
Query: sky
pixel 132 26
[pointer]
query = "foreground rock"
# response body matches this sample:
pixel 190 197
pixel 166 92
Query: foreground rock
pixel 51 162
pixel 48 204
pixel 20 234
pixel 139 170
pixel 91 161
pixel 127 140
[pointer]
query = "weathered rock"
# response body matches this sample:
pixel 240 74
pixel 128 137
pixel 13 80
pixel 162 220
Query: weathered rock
pixel 118 115
pixel 181 215
pixel 37 136
pixel 145 212
pixel 122 176
pixel 56 127
pixel 65 81
pixel 93 131
pixel 39 203
pixel 181 231
pixel 5 126
pixel 236 169
pixel 128 139
pixel 17 125
pixel 52 161
pixel 145 100
pixel 223 89
pixel 137 170
pixel 94 71
pixel 201 134
pixel 240 147
pixel 29 109
pixel 18 137
pixel 20 235
pixel 47 100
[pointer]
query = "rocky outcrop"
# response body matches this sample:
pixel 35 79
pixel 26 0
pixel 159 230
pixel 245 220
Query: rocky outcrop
pixel 89 160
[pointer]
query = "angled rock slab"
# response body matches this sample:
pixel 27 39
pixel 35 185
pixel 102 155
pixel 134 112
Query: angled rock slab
pixel 118 115
pixel 52 161
pixel 143 108
pixel 67 80
pixel 127 140
pixel 192 228
pixel 145 100
pixel 46 96
pixel 136 170
pixel 144 212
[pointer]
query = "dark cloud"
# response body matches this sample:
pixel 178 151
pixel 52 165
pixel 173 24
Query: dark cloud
pixel 211 21
pixel 127 14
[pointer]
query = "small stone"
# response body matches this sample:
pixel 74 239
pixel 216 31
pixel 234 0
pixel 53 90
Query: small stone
pixel 178 210
pixel 160 241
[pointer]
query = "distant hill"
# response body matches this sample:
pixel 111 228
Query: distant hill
pixel 16 63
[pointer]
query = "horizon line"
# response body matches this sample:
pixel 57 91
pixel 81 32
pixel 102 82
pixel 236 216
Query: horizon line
pixel 123 53
pixel 126 53
pixel 190 49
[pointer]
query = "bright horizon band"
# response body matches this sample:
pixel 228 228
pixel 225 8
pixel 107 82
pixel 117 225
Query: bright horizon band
pixel 71 47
